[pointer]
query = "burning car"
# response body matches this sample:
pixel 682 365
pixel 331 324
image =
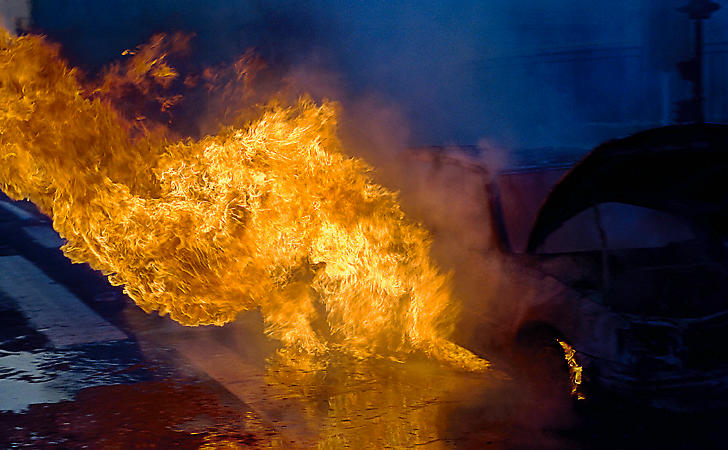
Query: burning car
pixel 632 241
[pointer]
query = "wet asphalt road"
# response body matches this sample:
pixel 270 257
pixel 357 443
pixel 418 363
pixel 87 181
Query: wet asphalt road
pixel 82 367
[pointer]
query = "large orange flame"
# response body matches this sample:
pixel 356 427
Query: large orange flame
pixel 271 215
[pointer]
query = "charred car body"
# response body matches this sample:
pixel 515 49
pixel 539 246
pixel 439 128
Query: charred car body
pixel 632 242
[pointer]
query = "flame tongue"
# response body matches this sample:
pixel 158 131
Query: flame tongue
pixel 272 215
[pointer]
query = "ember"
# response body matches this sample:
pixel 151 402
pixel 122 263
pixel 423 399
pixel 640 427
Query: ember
pixel 270 215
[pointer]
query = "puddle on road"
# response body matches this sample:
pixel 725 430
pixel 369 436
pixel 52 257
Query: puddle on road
pixel 53 375
pixel 23 383
pixel 154 414
pixel 32 372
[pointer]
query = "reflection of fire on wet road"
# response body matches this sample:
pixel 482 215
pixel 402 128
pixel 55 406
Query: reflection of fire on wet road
pixel 341 401
pixel 381 403
pixel 268 215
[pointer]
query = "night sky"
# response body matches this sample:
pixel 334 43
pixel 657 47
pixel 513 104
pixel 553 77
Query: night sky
pixel 560 73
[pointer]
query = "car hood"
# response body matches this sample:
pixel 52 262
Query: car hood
pixel 680 169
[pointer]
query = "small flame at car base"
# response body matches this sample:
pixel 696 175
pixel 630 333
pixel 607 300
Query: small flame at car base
pixel 575 370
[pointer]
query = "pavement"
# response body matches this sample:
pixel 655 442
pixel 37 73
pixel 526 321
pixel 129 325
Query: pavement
pixel 81 366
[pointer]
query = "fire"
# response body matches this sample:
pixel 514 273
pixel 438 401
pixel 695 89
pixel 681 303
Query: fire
pixel 270 215
pixel 575 369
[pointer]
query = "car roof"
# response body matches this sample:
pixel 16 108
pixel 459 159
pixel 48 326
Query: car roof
pixel 679 169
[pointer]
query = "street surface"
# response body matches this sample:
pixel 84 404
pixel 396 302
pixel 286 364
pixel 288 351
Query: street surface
pixel 82 367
